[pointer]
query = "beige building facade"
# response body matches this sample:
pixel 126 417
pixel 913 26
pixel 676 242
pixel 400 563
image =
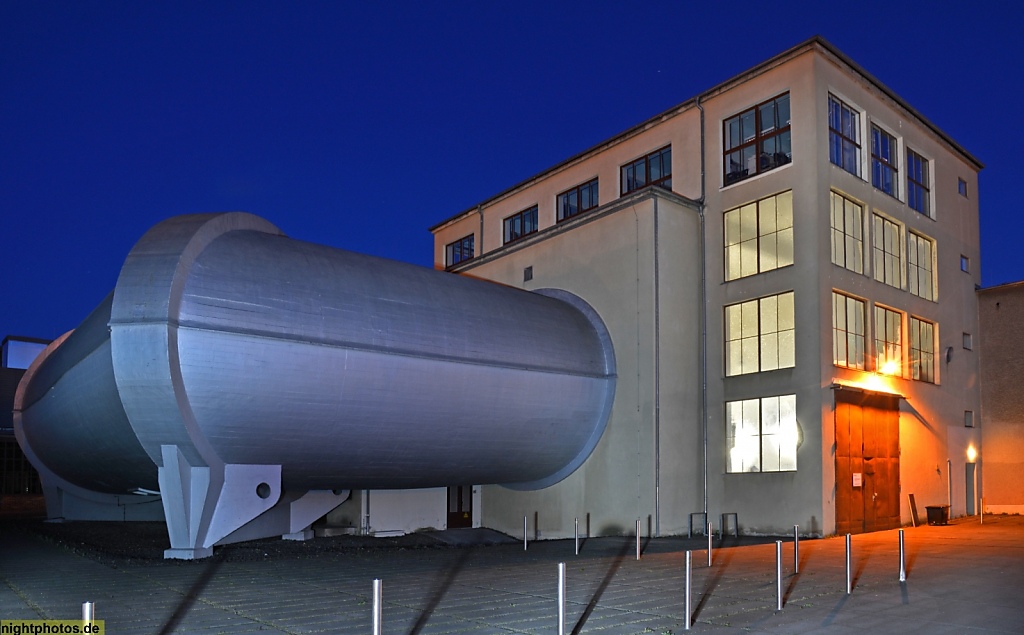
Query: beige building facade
pixel 787 266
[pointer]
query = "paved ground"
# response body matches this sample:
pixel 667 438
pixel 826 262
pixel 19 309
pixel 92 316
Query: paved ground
pixel 961 578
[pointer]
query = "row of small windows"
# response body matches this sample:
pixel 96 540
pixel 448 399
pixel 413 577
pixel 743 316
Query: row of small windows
pixel 887 248
pixel 653 169
pixel 844 131
pixel 849 340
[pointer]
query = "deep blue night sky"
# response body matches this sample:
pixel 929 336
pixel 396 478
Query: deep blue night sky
pixel 359 126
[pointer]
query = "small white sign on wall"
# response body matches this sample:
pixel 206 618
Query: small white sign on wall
pixel 858 479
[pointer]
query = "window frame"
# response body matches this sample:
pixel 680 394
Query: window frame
pixel 777 131
pixel 921 362
pixel 882 255
pixel 838 139
pixel 522 217
pixel 785 407
pixel 783 339
pixel 888 336
pixel 449 251
pixel 965 263
pixel 593 189
pixel 913 266
pixel 961 187
pixel 919 183
pixel 885 161
pixel 836 232
pixel 850 338
pixel 760 239
pixel 664 181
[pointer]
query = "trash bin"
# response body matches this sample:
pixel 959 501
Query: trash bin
pixel 938 514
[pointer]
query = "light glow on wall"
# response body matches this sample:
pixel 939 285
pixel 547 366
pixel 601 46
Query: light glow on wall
pixel 972 453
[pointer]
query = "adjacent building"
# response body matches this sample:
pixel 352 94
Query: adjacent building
pixel 787 265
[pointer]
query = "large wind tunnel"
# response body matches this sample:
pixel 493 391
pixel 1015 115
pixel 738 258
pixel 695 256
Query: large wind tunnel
pixel 239 383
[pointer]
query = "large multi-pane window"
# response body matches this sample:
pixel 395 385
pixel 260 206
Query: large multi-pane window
pixel 888 341
pixel 918 196
pixel 761 435
pixel 888 251
pixel 579 199
pixel 847 331
pixel 653 169
pixel 847 233
pixel 843 135
pixel 757 139
pixel 458 251
pixel 922 350
pixel 920 267
pixel 760 335
pixel 884 161
pixel 522 224
pixel 759 236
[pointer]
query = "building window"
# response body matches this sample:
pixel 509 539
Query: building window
pixel 968 418
pixel 761 435
pixel 920 268
pixel 760 335
pixel 759 236
pixel 965 264
pixel 884 161
pixel 757 140
pixel 888 252
pixel 888 341
pixel 579 199
pixel 847 233
pixel 922 350
pixel 918 196
pixel 961 187
pixel 459 251
pixel 847 331
pixel 522 224
pixel 843 135
pixel 653 169
pixel 967 342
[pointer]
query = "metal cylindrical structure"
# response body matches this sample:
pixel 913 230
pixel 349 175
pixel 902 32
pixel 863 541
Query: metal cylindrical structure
pixel 225 338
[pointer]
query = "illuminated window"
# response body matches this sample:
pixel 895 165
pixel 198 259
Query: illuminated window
pixel 920 269
pixel 579 199
pixel 522 224
pixel 884 161
pixel 761 435
pixel 760 335
pixel 843 135
pixel 847 233
pixel 888 252
pixel 918 196
pixel 922 350
pixel 888 341
pixel 653 169
pixel 757 140
pixel 759 236
pixel 847 331
pixel 459 251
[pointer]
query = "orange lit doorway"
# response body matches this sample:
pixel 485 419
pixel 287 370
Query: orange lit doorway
pixel 867 462
pixel 460 506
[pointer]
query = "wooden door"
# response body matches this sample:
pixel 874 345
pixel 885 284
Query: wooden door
pixel 460 506
pixel 867 462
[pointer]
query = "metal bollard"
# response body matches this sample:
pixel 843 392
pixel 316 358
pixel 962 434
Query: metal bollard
pixel 525 535
pixel 88 612
pixel 796 548
pixel 849 569
pixel 561 598
pixel 637 538
pixel 778 575
pixel 576 534
pixel 378 613
pixel 709 543
pixel 689 581
pixel 903 560
pixel 981 510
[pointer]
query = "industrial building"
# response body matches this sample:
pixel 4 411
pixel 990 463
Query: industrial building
pixel 786 264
